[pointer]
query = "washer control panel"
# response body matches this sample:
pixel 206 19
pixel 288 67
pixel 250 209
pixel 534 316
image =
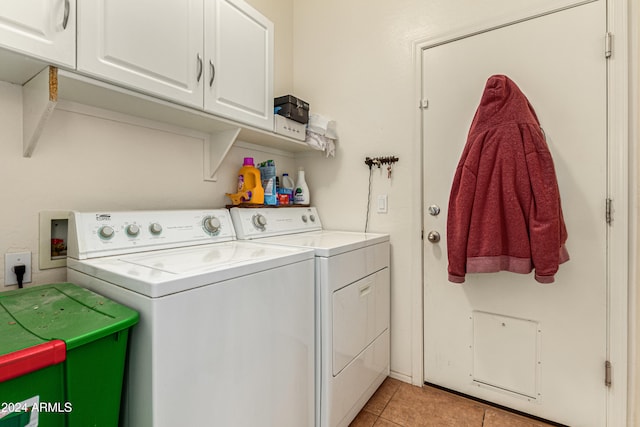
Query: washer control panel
pixel 255 223
pixel 94 234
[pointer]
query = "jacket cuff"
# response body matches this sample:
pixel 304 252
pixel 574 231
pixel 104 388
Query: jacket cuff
pixel 456 279
pixel 545 279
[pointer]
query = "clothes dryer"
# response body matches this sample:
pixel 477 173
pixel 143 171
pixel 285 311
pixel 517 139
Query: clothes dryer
pixel 226 332
pixel 352 303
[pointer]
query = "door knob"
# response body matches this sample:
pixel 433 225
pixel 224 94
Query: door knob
pixel 433 237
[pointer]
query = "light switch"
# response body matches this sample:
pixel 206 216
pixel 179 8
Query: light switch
pixel 382 203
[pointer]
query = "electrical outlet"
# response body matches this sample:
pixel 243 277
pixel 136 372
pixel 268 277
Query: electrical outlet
pixel 17 258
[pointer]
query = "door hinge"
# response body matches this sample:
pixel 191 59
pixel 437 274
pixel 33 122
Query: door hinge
pixel 607 373
pixel 608 211
pixel 424 104
pixel 608 45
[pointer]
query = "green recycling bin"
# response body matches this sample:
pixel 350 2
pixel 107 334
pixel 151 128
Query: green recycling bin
pixel 62 357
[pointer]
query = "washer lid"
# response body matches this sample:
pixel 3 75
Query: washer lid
pixel 159 273
pixel 328 242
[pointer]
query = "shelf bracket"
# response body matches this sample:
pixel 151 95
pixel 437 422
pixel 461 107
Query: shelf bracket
pixel 215 150
pixel 39 99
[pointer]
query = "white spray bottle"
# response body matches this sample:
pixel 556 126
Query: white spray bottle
pixel 301 192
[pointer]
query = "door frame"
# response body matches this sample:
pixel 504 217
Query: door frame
pixel 622 166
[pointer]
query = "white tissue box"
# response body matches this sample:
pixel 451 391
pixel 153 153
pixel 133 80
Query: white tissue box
pixel 290 128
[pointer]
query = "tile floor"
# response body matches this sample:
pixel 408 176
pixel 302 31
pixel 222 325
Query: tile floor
pixel 397 403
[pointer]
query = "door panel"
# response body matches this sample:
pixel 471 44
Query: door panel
pixel 503 337
pixel 239 51
pixel 45 29
pixel 155 47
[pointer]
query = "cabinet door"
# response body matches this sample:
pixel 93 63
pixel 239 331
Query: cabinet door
pixel 239 68
pixel 44 29
pixel 151 46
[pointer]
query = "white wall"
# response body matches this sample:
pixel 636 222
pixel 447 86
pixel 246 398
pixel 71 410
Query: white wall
pixel 89 163
pixel 354 61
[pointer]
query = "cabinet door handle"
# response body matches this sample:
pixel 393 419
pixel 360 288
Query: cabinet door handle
pixel 365 291
pixel 213 73
pixel 199 58
pixel 366 288
pixel 65 18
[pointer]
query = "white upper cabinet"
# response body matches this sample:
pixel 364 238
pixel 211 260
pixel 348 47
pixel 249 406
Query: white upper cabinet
pixel 43 29
pixel 239 68
pixel 215 55
pixel 151 46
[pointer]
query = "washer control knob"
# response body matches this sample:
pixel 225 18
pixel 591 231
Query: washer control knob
pixel 312 218
pixel 155 228
pixel 106 232
pixel 260 221
pixel 132 230
pixel 211 224
pixel 304 218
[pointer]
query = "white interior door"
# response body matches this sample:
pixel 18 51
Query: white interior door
pixel 503 337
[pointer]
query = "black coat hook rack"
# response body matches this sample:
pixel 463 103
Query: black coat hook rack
pixel 379 161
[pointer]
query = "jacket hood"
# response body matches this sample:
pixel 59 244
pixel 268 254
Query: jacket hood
pixel 503 102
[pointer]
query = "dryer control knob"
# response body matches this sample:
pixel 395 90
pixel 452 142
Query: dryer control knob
pixel 211 224
pixel 106 232
pixel 133 230
pixel 312 218
pixel 259 221
pixel 304 218
pixel 155 228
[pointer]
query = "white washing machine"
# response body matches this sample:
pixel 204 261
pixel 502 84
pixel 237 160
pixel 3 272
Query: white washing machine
pixel 226 332
pixel 352 304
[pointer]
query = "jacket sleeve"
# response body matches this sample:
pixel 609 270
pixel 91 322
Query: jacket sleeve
pixel 458 221
pixel 546 227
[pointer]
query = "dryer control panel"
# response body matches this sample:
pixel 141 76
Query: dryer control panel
pixel 255 223
pixel 97 234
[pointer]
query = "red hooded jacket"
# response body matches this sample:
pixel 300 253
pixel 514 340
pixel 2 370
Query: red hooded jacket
pixel 504 208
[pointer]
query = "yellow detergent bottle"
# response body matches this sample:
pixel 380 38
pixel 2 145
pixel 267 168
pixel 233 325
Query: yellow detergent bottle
pixel 249 183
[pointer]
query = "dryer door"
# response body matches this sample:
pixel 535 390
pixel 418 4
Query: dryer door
pixel 360 315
